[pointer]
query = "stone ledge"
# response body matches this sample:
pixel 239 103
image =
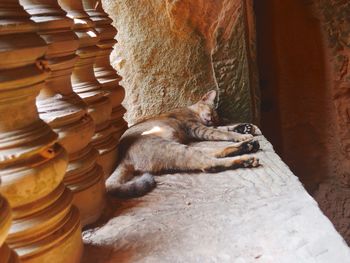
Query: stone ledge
pixel 241 216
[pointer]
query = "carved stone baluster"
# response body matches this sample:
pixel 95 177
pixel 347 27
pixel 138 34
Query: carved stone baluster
pixel 45 227
pixel 65 111
pixel 6 254
pixel 104 72
pixel 88 88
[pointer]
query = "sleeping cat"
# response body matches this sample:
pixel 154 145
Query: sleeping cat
pixel 161 144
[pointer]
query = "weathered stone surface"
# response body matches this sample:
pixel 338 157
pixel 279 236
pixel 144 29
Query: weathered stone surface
pixel 245 215
pixel 296 110
pixel 305 95
pixel 334 193
pixel 170 52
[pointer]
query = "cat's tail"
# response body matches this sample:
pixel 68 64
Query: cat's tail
pixel 117 184
pixel 138 186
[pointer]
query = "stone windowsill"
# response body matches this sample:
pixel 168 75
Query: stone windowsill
pixel 241 216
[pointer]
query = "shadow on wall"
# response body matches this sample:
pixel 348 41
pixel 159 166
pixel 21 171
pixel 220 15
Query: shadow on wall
pixel 296 105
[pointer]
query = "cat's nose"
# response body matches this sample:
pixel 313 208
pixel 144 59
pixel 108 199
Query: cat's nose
pixel 209 121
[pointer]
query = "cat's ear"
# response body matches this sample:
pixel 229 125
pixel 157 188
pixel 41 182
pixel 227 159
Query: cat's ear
pixel 209 98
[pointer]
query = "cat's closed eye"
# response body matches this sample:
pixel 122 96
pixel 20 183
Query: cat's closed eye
pixel 207 115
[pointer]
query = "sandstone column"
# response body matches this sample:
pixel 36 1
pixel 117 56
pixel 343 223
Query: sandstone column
pixel 88 88
pixel 6 255
pixel 65 111
pixel 104 72
pixel 45 228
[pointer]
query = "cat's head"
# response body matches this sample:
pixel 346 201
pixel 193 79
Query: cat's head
pixel 205 109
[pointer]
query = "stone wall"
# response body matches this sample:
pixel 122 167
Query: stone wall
pixel 303 51
pixel 334 193
pixel 297 114
pixel 171 52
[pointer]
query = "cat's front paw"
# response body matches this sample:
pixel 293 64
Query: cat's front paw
pixel 242 137
pixel 246 128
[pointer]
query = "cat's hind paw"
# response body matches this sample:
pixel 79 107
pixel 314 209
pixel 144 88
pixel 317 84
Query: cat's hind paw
pixel 251 146
pixel 251 162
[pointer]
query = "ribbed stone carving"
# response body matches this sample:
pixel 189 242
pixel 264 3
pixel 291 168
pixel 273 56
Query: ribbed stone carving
pixel 6 254
pixel 45 227
pixel 65 111
pixel 87 86
pixel 103 69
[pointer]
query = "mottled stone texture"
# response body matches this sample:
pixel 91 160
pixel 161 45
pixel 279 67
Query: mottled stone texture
pixel 171 52
pixel 304 51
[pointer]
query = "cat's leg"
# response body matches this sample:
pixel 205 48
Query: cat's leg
pixel 225 149
pixel 166 156
pixel 222 164
pixel 210 164
pixel 243 128
pixel 201 132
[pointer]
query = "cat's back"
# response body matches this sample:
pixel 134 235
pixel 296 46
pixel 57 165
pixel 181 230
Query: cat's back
pixel 169 126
